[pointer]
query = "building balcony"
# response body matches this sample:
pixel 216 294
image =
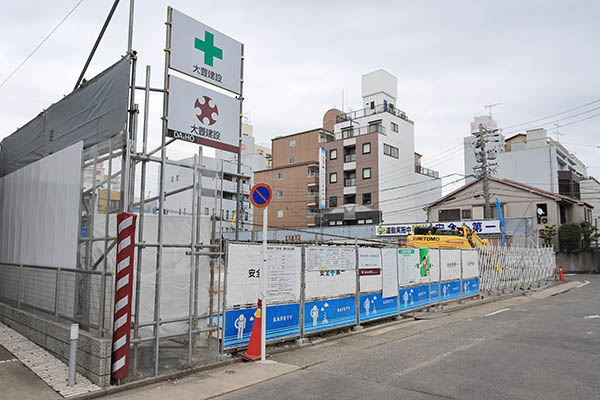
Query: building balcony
pixel 351 166
pixel 349 182
pixel 349 157
pixel 312 180
pixel 568 184
pixel 365 112
pixel 312 220
pixel 350 132
pixel 426 171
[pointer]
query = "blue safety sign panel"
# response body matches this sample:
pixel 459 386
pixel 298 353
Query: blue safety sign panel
pixel 261 195
pixel 282 321
pixel 471 287
pixel 414 297
pixel 326 314
pixel 375 306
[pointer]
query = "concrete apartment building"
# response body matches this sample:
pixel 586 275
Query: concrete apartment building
pixel 372 161
pixel 179 177
pixel 294 179
pixel 531 158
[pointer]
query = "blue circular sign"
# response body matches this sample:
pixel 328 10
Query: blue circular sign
pixel 261 195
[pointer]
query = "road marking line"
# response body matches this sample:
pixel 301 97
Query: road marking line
pixel 570 274
pixel 584 283
pixel 7 361
pixel 592 317
pixel 497 312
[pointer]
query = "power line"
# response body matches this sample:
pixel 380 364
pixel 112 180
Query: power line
pixel 562 119
pixel 553 115
pixel 42 42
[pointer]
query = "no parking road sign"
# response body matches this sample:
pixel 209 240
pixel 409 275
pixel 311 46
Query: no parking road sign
pixel 261 195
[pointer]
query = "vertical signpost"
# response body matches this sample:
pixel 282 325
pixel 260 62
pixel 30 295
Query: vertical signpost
pixel 193 112
pixel 322 178
pixel 260 196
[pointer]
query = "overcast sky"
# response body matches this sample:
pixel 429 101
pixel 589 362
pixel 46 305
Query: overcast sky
pixel 450 57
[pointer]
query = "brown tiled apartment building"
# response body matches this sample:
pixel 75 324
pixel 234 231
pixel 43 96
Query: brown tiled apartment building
pixel 294 179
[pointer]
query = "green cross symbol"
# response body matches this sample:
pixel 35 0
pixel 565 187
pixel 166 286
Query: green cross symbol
pixel 208 47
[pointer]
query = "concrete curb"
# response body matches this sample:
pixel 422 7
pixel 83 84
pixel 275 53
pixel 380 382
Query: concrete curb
pixel 375 326
pixel 156 379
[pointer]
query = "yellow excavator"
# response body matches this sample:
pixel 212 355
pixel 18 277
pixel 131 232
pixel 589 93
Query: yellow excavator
pixel 461 237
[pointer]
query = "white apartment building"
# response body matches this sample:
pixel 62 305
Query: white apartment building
pixel 531 158
pixel 179 177
pixel 372 161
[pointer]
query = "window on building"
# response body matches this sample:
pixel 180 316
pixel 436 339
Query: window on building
pixel 372 105
pixel 245 216
pixel 333 154
pixel 205 210
pixel 279 213
pixel 332 201
pixel 366 198
pixel 279 194
pixel 394 127
pixel 366 173
pixel 391 151
pixel 176 178
pixel 333 177
pixel 292 160
pixel 449 215
pixel 280 175
pixel 292 142
pixel 366 148
pixel 466 213
pixel 172 178
pixel 227 214
pixel 350 179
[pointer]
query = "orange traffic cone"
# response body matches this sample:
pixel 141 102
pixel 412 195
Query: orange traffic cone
pixel 562 278
pixel 253 351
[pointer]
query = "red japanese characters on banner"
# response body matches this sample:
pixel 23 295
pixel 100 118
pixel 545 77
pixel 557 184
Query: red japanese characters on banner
pixel 123 293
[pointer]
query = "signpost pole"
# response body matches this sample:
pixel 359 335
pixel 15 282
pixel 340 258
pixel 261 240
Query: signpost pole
pixel 263 281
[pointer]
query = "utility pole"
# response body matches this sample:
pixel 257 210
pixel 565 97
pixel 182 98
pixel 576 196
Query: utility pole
pixel 484 173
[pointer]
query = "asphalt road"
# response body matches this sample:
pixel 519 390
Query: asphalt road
pixel 538 347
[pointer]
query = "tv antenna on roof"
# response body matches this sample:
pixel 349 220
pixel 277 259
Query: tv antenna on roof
pixel 490 107
pixel 557 133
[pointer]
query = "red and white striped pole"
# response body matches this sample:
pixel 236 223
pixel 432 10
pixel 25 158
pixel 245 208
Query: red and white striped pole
pixel 123 293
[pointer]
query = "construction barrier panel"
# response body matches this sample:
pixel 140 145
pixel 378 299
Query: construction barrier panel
pixel 313 288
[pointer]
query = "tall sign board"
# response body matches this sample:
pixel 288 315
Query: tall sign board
pixel 200 115
pixel 322 176
pixel 196 113
pixel 204 53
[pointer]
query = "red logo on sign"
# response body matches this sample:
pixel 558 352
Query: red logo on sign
pixel 206 111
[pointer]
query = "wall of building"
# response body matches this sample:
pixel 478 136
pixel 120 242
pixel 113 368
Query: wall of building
pixel 181 203
pixel 590 193
pixel 369 160
pixel 305 148
pixel 532 158
pixel 290 202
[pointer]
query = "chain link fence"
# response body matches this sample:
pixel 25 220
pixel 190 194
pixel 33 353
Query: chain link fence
pixel 62 294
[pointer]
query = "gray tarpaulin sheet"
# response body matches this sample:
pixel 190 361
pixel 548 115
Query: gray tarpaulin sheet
pixel 93 113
